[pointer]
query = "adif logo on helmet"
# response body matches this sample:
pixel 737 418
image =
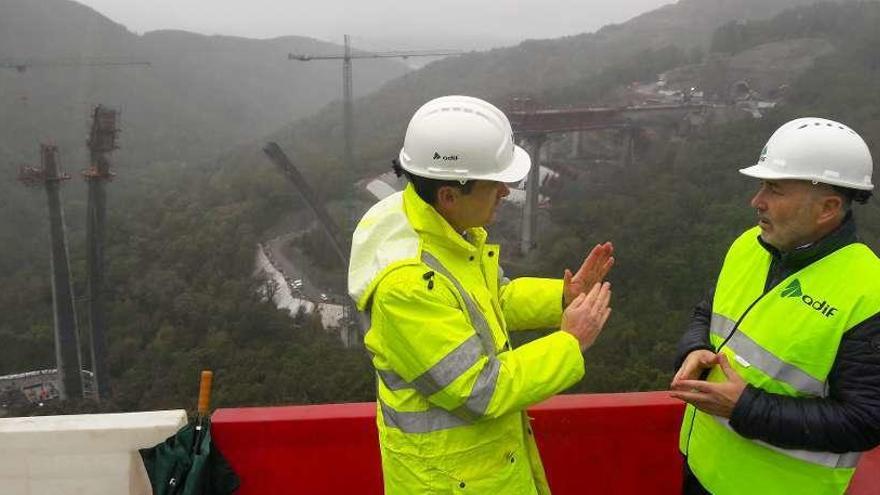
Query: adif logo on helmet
pixel 763 155
pixel 438 156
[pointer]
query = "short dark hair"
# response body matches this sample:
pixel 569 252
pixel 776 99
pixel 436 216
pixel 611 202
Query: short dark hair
pixel 849 195
pixel 427 188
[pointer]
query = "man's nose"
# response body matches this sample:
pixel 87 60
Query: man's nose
pixel 757 201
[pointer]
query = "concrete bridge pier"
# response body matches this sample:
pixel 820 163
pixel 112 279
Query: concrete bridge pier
pixel 534 144
pixel 577 144
pixel 627 146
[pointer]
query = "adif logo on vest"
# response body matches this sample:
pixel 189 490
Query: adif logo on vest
pixel 794 290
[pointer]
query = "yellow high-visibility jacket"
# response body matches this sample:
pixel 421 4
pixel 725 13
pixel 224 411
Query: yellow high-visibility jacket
pixel 451 391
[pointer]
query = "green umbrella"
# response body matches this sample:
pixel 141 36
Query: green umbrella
pixel 188 463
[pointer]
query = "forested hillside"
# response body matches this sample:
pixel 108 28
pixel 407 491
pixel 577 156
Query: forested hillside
pixel 199 97
pixel 674 214
pixel 182 240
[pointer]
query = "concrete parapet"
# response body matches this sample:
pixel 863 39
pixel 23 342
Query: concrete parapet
pixel 90 453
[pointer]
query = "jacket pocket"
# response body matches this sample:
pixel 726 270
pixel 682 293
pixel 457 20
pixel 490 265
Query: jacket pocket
pixel 498 471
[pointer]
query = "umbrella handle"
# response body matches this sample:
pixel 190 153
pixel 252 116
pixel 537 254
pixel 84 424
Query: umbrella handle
pixel 205 392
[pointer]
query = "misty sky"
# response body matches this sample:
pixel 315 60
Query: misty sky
pixel 376 23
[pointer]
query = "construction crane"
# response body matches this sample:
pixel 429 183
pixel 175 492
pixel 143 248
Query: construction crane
pixel 338 243
pixel 25 64
pixel 347 88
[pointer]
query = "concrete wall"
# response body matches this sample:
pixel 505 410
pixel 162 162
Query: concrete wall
pixel 93 454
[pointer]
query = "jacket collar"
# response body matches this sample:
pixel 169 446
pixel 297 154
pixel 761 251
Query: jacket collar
pixel 844 235
pixel 430 224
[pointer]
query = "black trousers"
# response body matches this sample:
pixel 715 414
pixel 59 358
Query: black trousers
pixel 691 485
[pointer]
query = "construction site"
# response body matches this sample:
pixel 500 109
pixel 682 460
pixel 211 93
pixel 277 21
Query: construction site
pixel 66 380
pixel 564 142
pixel 178 202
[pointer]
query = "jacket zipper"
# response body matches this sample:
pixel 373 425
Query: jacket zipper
pixel 723 343
pixel 741 318
pixel 733 331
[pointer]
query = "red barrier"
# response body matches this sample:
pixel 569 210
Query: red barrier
pixel 610 443
pixel 602 443
pixel 867 478
pixel 326 449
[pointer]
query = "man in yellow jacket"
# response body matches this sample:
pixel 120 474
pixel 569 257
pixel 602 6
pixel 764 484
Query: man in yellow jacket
pixel 451 390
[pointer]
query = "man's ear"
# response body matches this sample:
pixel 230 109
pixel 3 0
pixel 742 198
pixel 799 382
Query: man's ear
pixel 831 207
pixel 446 197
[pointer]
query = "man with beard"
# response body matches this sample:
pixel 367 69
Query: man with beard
pixel 780 365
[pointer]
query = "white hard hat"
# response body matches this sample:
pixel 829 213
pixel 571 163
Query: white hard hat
pixel 817 150
pixel 462 138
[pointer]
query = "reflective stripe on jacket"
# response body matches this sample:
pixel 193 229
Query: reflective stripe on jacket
pixel 451 391
pixel 783 341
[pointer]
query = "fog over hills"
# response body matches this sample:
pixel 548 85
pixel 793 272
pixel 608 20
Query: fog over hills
pixel 200 94
pixel 532 68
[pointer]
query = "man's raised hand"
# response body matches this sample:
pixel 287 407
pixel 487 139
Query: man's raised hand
pixel 587 314
pixel 593 270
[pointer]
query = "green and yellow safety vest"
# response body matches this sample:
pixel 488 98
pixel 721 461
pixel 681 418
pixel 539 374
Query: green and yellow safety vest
pixel 783 341
pixel 451 391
